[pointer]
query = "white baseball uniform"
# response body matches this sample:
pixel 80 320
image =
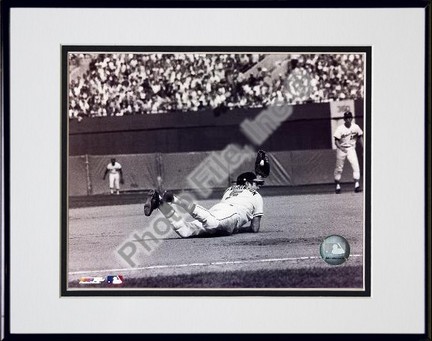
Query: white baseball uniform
pixel 114 175
pixel 348 139
pixel 237 207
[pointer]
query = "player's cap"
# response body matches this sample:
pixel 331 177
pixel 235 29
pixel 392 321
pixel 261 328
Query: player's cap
pixel 348 114
pixel 248 177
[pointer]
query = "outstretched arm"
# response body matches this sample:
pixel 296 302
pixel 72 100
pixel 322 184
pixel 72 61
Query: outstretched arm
pixel 255 224
pixel 106 172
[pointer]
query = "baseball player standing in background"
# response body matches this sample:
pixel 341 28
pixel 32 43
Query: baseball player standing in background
pixel 115 176
pixel 346 136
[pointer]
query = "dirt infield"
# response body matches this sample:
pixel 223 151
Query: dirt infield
pixel 284 254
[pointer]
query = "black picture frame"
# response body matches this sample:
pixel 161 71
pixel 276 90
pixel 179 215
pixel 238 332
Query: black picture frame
pixel 5 26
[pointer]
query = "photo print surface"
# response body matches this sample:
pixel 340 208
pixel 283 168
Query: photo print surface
pixel 216 171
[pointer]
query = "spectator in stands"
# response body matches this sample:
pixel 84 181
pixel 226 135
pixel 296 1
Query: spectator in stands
pixel 125 84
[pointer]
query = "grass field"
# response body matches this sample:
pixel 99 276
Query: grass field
pixel 284 254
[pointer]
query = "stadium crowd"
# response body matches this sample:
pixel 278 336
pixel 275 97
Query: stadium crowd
pixel 127 84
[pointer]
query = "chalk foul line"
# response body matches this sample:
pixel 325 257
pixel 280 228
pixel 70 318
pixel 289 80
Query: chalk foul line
pixel 186 265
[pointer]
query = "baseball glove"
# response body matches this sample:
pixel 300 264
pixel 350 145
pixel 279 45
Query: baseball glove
pixel 262 164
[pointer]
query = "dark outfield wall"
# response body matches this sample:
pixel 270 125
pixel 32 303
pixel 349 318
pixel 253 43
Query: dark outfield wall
pixel 141 171
pixel 308 128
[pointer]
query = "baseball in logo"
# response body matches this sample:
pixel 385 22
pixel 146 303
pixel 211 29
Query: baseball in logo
pixel 335 250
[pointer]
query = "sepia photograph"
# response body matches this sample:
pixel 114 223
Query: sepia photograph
pixel 215 170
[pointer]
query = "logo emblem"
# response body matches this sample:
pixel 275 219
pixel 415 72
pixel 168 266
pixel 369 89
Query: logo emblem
pixel 335 250
pixel 115 279
pixel 91 280
pixel 299 84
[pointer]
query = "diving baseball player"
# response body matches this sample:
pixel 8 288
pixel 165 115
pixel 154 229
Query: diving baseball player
pixel 239 205
pixel 115 176
pixel 346 137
